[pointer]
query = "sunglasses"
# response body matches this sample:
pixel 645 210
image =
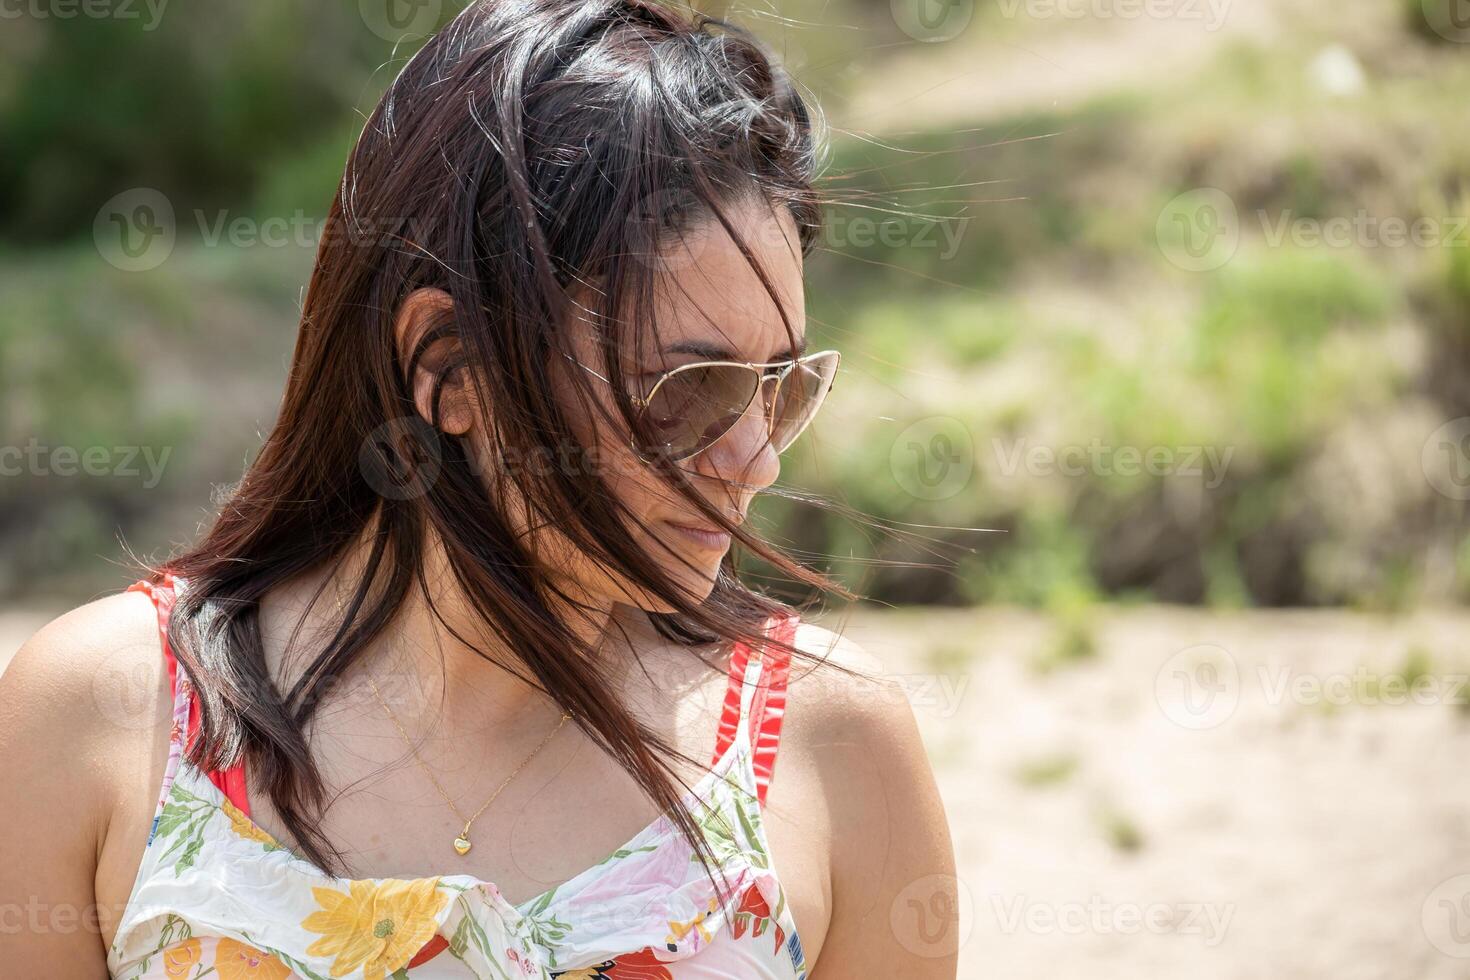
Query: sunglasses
pixel 693 406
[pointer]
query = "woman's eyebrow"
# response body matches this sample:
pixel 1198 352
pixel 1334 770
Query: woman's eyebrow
pixel 714 352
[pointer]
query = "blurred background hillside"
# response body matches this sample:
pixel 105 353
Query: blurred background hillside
pixel 1172 294
pixel 1238 432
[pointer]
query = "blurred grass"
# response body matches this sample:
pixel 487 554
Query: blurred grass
pixel 1300 381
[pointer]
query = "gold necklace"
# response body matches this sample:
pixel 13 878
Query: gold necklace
pixel 462 843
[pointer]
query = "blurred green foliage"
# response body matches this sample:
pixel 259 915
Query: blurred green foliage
pixel 212 103
pixel 1005 278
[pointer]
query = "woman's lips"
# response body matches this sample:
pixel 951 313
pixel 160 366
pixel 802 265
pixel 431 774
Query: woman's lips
pixel 701 536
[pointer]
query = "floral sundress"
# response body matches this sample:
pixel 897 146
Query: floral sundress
pixel 217 896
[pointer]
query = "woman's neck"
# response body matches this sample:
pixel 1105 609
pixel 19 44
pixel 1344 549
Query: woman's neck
pixel 443 658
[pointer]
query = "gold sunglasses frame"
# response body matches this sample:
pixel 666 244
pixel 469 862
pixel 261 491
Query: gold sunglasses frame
pixel 763 374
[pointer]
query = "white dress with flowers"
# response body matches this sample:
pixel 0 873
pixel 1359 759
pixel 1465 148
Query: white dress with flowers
pixel 217 896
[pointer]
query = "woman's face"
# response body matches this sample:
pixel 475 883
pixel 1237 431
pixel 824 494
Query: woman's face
pixel 709 305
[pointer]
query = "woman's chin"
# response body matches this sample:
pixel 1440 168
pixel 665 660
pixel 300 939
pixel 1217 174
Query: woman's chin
pixel 695 587
pixel 695 584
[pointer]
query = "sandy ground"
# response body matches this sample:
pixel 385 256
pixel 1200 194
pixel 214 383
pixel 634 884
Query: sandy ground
pixel 1207 795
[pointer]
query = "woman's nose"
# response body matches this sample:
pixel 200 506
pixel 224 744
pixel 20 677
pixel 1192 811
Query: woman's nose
pixel 744 454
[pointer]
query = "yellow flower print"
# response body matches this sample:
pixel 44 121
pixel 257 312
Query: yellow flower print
pixel 243 827
pixel 179 960
pixel 378 926
pixel 678 930
pixel 236 961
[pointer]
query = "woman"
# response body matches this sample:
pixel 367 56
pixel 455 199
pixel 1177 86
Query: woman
pixel 461 681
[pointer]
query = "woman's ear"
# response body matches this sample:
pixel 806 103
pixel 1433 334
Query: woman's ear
pixel 429 349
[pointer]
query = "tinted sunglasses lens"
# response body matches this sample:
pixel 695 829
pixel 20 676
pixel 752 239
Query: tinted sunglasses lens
pixel 694 407
pixel 802 392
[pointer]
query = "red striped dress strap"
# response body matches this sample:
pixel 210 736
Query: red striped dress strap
pixel 730 713
pixel 767 704
pixel 230 781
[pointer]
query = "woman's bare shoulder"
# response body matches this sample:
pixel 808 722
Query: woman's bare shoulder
pixel 81 692
pixel 84 715
pixel 104 656
pixel 852 722
pixel 840 686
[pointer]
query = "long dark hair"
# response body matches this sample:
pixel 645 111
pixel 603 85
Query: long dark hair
pixel 529 148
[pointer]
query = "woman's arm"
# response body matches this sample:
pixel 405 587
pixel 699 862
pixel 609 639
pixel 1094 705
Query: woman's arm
pixel 892 865
pixel 68 701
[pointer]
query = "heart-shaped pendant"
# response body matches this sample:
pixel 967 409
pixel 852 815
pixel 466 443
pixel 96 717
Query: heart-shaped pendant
pixel 462 845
